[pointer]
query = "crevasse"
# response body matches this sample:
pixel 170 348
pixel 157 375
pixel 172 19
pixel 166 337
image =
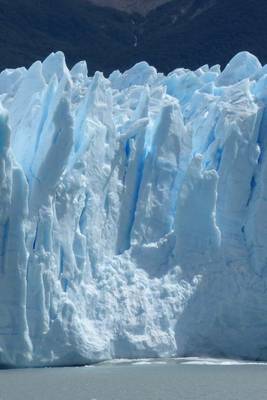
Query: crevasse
pixel 132 213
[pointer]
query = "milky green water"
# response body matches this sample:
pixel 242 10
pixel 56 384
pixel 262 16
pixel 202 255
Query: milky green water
pixel 143 380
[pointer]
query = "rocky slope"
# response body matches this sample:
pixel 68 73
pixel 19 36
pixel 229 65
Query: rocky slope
pixel 178 33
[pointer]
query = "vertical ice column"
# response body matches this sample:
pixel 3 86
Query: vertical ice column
pixel 96 150
pixel 155 209
pixel 55 64
pixel 32 83
pixel 197 235
pixel 15 345
pixel 44 267
pixel 243 65
pixel 256 225
pixel 134 150
pixel 56 158
pixel 236 185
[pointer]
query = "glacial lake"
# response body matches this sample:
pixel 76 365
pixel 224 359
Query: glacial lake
pixel 177 379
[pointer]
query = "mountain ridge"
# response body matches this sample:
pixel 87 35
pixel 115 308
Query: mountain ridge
pixel 130 6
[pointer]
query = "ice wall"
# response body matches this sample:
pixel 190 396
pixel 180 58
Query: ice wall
pixel 133 213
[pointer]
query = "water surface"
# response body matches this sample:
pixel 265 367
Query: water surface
pixel 180 379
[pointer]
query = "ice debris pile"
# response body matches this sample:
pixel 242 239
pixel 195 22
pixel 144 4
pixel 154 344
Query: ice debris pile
pixel 133 213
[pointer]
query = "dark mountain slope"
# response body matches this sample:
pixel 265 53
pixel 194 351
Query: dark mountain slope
pixel 179 33
pixel 30 30
pixel 213 36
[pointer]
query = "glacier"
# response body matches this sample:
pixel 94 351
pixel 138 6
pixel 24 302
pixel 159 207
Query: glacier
pixel 133 213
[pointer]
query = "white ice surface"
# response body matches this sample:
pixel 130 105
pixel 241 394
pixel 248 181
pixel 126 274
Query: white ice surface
pixel 133 213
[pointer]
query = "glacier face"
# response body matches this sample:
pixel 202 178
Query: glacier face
pixel 132 213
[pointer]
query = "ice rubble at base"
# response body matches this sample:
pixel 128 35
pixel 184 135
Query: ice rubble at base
pixel 133 213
